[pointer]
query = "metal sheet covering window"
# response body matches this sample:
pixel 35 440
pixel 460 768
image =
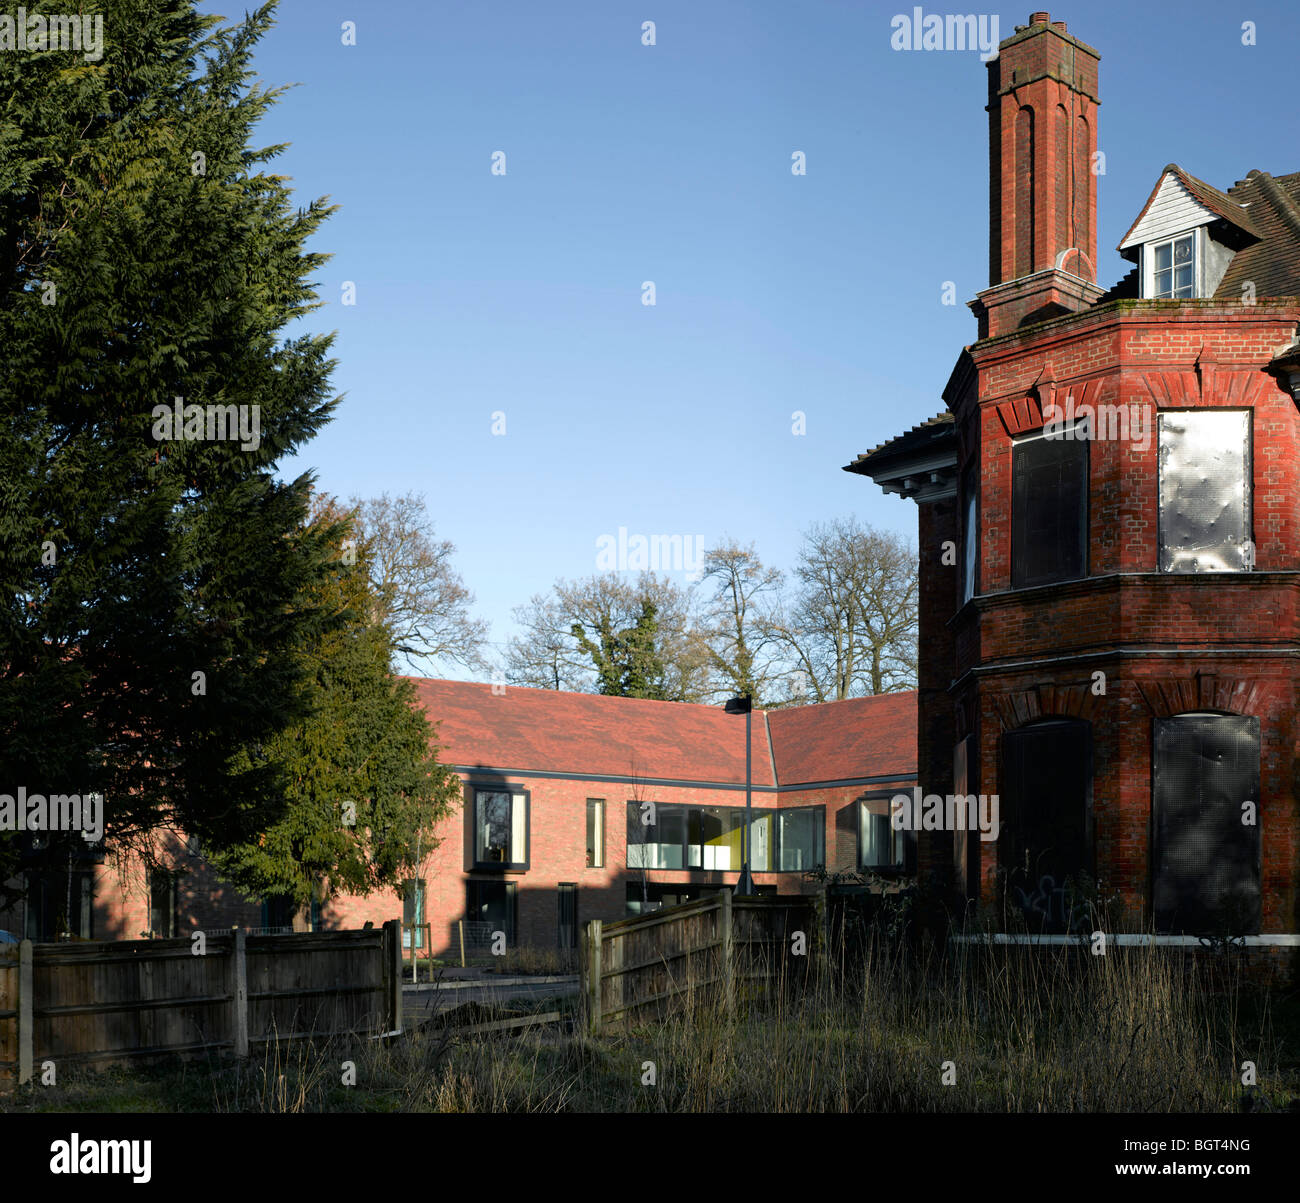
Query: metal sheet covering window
pixel 1205 490
pixel 1204 857
pixel 1049 510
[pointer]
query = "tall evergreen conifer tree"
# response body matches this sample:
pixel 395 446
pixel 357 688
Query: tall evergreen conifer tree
pixel 157 591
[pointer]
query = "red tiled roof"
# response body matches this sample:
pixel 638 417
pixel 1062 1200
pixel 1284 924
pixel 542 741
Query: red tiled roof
pixel 858 737
pixel 580 733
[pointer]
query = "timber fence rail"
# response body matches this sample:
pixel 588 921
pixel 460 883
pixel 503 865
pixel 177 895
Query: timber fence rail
pixel 115 1001
pixel 720 949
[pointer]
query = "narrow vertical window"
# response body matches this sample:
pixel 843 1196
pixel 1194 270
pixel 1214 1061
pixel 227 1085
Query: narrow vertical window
pixel 567 919
pixel 162 904
pixel 413 914
pixel 970 540
pixel 595 833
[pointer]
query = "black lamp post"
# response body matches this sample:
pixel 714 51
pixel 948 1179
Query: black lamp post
pixel 745 705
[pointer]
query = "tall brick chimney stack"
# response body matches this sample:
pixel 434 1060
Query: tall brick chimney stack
pixel 1042 187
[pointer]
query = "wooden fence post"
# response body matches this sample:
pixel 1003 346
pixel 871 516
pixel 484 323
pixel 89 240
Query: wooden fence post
pixel 239 990
pixel 393 962
pixel 725 921
pixel 25 1032
pixel 593 974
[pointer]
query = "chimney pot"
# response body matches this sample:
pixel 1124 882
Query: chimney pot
pixel 1039 18
pixel 1060 25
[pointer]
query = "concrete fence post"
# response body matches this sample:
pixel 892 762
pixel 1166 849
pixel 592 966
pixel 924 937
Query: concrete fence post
pixel 26 1034
pixel 594 1018
pixel 728 935
pixel 239 990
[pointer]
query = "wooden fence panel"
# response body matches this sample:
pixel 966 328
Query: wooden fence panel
pixel 716 949
pixel 8 1013
pixel 317 984
pixel 100 1001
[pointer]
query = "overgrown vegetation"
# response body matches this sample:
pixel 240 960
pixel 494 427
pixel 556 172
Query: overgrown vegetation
pixel 975 1028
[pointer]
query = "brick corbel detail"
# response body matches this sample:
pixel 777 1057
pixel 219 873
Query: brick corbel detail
pixel 1021 415
pixel 1167 696
pixel 1017 707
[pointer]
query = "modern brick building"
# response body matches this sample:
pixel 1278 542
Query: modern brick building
pixel 552 832
pixel 1110 551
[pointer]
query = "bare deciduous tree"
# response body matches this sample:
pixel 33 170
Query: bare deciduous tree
pixel 422 598
pixel 603 632
pixel 738 627
pixel 852 627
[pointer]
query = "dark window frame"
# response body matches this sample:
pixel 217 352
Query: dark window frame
pixel 905 839
pixel 168 880
pixel 474 865
pixel 691 816
pixel 563 890
pixel 473 901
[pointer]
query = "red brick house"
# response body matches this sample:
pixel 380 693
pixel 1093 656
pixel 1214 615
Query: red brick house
pixel 1110 551
pixel 552 830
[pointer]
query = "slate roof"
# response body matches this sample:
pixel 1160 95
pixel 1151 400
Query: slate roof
pixel 933 432
pixel 545 730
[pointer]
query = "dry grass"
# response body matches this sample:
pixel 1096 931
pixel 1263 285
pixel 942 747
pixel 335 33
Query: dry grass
pixel 1141 1030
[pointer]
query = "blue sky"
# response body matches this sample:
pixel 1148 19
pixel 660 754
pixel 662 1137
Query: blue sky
pixel 521 293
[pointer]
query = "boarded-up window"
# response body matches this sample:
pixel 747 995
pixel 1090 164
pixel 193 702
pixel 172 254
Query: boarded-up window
pixel 1205 491
pixel 1046 816
pixel 1205 858
pixel 1049 509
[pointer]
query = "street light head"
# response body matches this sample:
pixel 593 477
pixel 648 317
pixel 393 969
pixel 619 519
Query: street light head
pixel 741 705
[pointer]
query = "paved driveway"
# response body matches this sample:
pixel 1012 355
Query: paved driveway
pixel 423 1001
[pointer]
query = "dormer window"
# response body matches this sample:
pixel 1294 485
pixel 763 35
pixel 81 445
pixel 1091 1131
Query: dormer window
pixel 1185 238
pixel 1174 268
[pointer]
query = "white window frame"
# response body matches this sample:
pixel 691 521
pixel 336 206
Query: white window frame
pixel 1197 235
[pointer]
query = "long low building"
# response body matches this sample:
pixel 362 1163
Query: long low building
pixel 575 807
